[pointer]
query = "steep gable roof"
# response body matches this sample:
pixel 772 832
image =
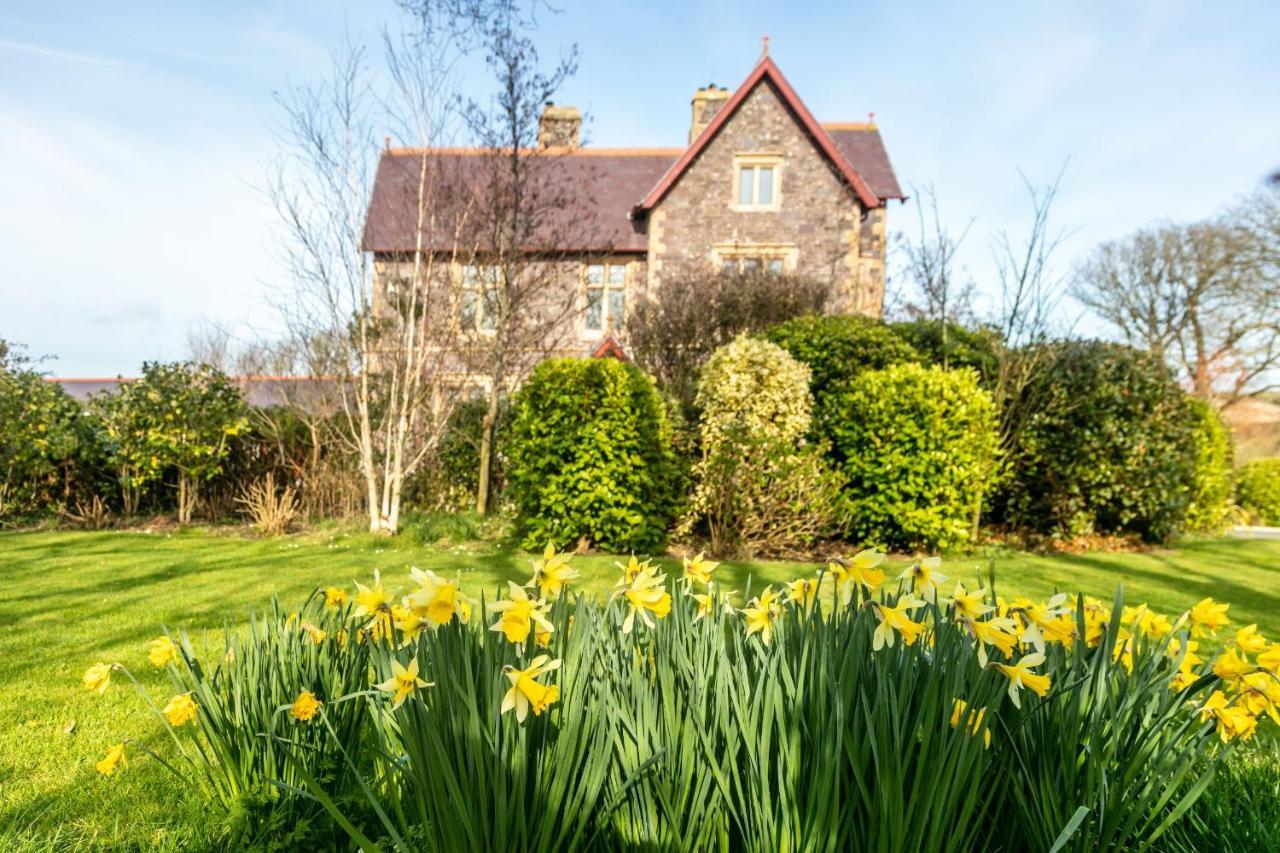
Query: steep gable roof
pixel 765 70
pixel 864 149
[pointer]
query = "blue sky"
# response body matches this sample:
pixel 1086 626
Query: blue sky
pixel 136 134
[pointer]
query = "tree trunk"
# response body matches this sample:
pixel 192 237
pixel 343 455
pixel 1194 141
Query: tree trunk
pixel 486 451
pixel 186 498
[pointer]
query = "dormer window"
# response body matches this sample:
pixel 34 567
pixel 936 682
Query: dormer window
pixel 755 181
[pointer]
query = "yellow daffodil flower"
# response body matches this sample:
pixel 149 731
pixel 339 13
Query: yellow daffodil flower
pixel 1046 623
pixel 519 614
pixel 98 677
pixel 1123 653
pixel 375 603
pixel 435 599
pixel 1020 675
pixel 163 652
pixel 1270 659
pixel 923 578
pixel 1207 617
pixel 969 605
pixel 180 710
pixel 409 622
pixel 335 596
pixel 802 592
pixel 552 574
pixel 526 692
pixel 631 569
pixel 998 631
pixel 896 619
pixel 1232 720
pixel 1260 692
pixel 973 721
pixel 404 680
pixel 708 600
pixel 761 613
pixel 1232 666
pixel 1147 622
pixel 698 570
pixel 115 758
pixel 861 568
pixel 305 707
pixel 1249 641
pixel 645 593
pixel 315 633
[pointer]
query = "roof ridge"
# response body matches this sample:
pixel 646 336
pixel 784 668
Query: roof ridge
pixel 850 125
pixel 585 150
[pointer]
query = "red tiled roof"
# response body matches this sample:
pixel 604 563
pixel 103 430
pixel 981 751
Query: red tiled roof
pixel 765 70
pixel 862 146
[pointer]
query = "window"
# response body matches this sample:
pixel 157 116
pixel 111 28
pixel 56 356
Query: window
pixel 771 258
pixel 478 306
pixel 606 296
pixel 756 181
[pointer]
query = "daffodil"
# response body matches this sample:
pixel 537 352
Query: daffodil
pixel 1233 720
pixel 404 680
pixel 519 614
pixel 1260 692
pixel 305 707
pixel 114 758
pixel 998 631
pixel 1020 675
pixel 526 692
pixel 1207 617
pixel 708 600
pixel 1249 641
pixel 163 652
pixel 698 570
pixel 435 599
pixel 98 677
pixel 1270 659
pixel 1232 666
pixel 1096 620
pixel 761 613
pixel 1145 621
pixel 802 592
pixel 1046 622
pixel 973 720
pixel 645 593
pixel 896 620
pixel 969 605
pixel 631 569
pixel 923 577
pixel 375 603
pixel 861 568
pixel 180 710
pixel 552 574
pixel 409 622
pixel 335 596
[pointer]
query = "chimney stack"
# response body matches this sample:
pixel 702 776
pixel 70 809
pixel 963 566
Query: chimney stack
pixel 559 127
pixel 706 103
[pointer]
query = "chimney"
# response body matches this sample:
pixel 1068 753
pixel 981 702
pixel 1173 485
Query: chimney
pixel 706 103
pixel 559 126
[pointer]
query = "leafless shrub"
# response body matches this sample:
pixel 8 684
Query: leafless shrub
pixel 91 516
pixel 270 510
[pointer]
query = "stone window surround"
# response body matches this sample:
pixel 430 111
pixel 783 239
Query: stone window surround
pixel 727 252
pixel 468 288
pixel 752 160
pixel 608 322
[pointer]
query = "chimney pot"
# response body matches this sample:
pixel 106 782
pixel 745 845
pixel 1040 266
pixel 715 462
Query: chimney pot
pixel 706 103
pixel 559 127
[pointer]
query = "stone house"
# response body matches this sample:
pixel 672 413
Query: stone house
pixel 761 185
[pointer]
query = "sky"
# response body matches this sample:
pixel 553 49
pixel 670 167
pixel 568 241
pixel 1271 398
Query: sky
pixel 135 137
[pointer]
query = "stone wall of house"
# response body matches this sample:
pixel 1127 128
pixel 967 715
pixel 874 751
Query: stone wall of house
pixel 832 237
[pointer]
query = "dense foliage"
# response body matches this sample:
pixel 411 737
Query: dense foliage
pixel 449 477
pixel 665 720
pixel 1258 490
pixel 919 448
pixel 590 456
pixel 673 334
pixel 952 345
pixel 1108 448
pixel 1212 476
pixel 760 487
pixel 838 348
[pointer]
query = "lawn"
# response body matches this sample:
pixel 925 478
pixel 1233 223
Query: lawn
pixel 70 599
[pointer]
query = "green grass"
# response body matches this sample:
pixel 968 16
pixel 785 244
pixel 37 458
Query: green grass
pixel 70 599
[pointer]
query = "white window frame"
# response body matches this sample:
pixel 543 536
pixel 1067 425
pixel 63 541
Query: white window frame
pixel 608 324
pixel 470 278
pixel 754 163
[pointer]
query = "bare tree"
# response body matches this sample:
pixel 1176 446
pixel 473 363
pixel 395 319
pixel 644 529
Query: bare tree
pixel 378 347
pixel 1205 297
pixel 929 263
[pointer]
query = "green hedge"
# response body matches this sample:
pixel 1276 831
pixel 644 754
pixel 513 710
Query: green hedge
pixel 590 457
pixel 953 346
pixel 839 348
pixel 1258 489
pixel 919 447
pixel 1109 446
pixel 1211 478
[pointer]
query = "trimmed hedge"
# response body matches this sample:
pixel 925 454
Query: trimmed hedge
pixel 1211 477
pixel 1109 447
pixel 838 348
pixel 1258 489
pixel 919 448
pixel 590 457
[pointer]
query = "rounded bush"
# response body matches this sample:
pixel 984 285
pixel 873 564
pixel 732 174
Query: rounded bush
pixel 1107 446
pixel 589 457
pixel 1211 477
pixel 838 348
pixel 919 448
pixel 952 345
pixel 1258 490
pixel 757 386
